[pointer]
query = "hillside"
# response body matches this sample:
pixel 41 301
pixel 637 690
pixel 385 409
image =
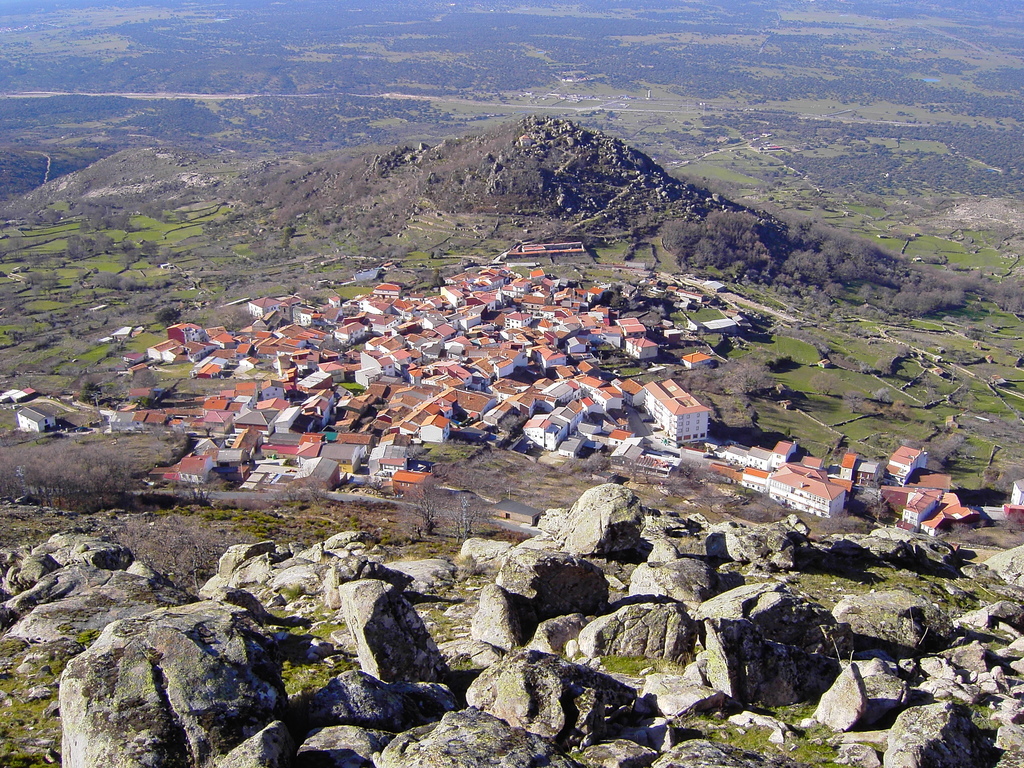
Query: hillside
pixel 622 635
pixel 536 170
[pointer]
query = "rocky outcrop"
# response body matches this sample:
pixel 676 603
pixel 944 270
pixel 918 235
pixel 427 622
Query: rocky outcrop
pixel 551 697
pixel 391 639
pixel 650 630
pixel 469 739
pixel 553 583
pixel 605 520
pixel 707 754
pixel 341 745
pixel 768 547
pixel 895 621
pixel 740 662
pixel 936 736
pixel 496 621
pixel 195 681
pixel 427 576
pixel 81 598
pixel 1009 565
pixel 689 580
pixel 357 699
pixel 781 616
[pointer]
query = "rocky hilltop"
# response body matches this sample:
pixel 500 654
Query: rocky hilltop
pixel 539 171
pixel 622 636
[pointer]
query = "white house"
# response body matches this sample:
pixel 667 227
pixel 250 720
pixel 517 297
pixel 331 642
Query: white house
pixel 807 489
pixel 35 418
pixel 1017 494
pixel 904 461
pixel 678 413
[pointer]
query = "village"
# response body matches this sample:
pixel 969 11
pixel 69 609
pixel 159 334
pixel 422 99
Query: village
pixel 347 393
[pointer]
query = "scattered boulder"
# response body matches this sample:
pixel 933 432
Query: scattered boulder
pixel 1002 612
pixel 770 547
pixel 554 583
pixel 270 748
pixel 1008 565
pixel 782 616
pixel 885 689
pixel 463 653
pixel 752 670
pixel 843 705
pixel 689 580
pixel 427 576
pixel 700 753
pixel 197 678
pixel 469 739
pixel 936 736
pixel 496 621
pixel 618 753
pixel 897 622
pixel 605 520
pixel 341 746
pixel 651 630
pixel 676 696
pixel 391 640
pixel 553 635
pixel 483 553
pixel 550 697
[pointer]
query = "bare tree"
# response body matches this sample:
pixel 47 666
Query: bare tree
pixel 466 513
pixel 184 549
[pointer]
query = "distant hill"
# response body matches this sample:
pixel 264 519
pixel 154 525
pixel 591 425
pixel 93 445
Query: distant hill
pixel 536 169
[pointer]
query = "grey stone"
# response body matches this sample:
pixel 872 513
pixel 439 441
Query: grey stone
pixel 428 576
pixel 781 616
pixel 676 696
pixel 606 519
pixel 270 748
pixel 651 630
pixel 843 705
pixel 740 662
pixel 551 697
pixel 392 642
pixel 552 635
pixel 341 746
pixel 618 753
pixel 358 699
pixel 936 736
pixel 470 739
pixel 689 580
pixel 1008 565
pixel 554 583
pixel 197 678
pixel 496 621
pixel 897 622
pixel 700 753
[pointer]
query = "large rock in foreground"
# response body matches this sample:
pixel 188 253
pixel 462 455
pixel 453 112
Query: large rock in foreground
pixel 654 631
pixel 936 736
pixel 752 670
pixel 707 754
pixel 1009 565
pixel 605 520
pixel 782 616
pixel 897 622
pixel 177 687
pixel 554 583
pixel 470 739
pixel 391 640
pixel 550 697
